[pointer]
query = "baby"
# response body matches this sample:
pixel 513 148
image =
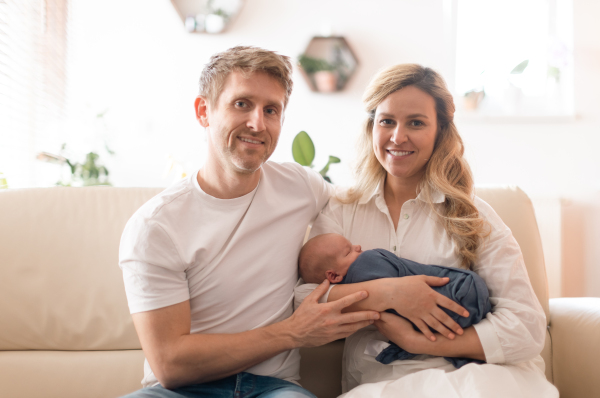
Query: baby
pixel 333 257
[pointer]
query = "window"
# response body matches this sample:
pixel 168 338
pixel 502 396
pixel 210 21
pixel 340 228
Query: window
pixel 514 58
pixel 33 44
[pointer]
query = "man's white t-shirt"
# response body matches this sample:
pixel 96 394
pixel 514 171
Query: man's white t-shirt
pixel 235 260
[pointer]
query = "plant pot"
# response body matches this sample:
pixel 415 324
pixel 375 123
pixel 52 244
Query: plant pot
pixel 325 81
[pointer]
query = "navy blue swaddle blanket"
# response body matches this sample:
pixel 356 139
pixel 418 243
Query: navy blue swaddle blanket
pixel 465 287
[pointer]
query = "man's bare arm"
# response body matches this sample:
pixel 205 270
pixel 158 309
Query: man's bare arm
pixel 179 358
pixel 412 297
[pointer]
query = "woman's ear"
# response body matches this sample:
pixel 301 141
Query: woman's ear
pixel 333 276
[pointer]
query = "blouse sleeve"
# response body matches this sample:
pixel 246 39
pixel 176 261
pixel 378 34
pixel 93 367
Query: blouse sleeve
pixel 515 329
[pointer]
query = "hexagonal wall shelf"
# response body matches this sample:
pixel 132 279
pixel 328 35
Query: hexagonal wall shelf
pixel 207 16
pixel 327 63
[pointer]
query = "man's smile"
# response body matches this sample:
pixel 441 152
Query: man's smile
pixel 250 140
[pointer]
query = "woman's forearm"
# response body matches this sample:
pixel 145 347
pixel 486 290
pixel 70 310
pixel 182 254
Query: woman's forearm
pixel 378 294
pixel 467 345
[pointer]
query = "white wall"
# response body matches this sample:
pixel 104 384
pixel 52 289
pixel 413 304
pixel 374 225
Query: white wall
pixel 135 58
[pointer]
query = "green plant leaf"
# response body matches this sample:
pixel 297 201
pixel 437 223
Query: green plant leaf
pixel 324 170
pixel 303 149
pixel 517 70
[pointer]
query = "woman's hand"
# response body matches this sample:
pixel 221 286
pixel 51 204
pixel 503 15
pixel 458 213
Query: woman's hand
pixel 401 332
pixel 413 298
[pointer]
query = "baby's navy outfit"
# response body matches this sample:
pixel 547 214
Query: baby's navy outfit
pixel 465 287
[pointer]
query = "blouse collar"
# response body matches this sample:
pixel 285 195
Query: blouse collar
pixel 436 196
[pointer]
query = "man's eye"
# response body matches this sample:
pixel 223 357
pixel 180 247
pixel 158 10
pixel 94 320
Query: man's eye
pixel 240 104
pixel 271 111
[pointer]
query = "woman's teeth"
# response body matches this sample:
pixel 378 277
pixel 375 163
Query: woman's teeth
pixel 400 153
pixel 250 141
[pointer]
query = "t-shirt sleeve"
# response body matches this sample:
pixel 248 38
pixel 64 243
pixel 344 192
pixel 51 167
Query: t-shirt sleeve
pixel 321 189
pixel 153 272
pixel 330 220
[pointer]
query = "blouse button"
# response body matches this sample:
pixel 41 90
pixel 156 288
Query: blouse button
pixel 406 216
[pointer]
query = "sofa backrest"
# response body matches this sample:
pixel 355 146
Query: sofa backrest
pixel 60 283
pixel 516 210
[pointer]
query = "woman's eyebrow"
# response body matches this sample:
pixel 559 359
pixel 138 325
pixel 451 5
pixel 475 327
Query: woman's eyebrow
pixel 417 115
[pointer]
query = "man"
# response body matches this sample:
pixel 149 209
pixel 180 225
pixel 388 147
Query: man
pixel 210 264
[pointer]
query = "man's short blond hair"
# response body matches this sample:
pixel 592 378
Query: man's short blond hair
pixel 247 60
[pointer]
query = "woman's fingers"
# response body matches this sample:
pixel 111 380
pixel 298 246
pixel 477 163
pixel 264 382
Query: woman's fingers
pixel 445 319
pixel 445 302
pixel 439 327
pixel 436 281
pixel 424 329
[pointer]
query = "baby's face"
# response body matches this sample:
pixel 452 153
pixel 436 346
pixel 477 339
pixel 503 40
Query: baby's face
pixel 345 253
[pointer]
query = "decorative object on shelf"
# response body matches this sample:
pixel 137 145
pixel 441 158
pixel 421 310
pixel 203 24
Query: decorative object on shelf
pixel 327 63
pixel 86 174
pixel 303 151
pixel 207 16
pixel 472 99
pixel 3 183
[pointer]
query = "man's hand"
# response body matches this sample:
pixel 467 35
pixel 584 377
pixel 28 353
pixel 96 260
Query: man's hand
pixel 314 324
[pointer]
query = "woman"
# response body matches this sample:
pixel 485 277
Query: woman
pixel 414 197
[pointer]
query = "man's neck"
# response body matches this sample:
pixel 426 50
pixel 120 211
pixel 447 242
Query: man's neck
pixel 226 184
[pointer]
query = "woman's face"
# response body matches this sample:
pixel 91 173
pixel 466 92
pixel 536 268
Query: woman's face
pixel 404 133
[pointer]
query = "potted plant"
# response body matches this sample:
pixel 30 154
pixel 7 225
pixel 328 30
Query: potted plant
pixel 322 73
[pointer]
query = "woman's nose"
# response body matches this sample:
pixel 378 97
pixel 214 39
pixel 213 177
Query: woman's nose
pixel 398 136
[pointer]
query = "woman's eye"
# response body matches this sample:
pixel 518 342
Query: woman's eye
pixel 386 122
pixel 417 123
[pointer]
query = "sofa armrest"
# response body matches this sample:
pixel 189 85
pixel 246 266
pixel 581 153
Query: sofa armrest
pixel 575 332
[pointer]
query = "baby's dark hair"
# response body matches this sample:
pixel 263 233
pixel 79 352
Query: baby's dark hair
pixel 313 261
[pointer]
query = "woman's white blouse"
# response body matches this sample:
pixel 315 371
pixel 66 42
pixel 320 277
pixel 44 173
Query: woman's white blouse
pixel 515 329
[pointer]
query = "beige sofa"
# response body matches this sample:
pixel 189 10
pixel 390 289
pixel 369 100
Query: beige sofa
pixel 65 330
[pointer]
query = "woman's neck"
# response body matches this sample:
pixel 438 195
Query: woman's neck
pixel 396 192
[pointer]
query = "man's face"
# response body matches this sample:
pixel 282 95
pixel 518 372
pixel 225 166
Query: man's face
pixel 244 124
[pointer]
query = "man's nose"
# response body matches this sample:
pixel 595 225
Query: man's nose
pixel 357 248
pixel 257 120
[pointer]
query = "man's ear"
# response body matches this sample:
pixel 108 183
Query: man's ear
pixel 201 107
pixel 333 276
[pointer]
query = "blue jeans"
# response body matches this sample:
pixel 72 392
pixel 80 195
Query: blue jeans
pixel 242 385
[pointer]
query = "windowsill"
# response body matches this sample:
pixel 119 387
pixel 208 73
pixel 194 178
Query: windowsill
pixel 474 118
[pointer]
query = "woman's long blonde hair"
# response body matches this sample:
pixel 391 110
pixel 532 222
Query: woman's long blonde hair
pixel 447 171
